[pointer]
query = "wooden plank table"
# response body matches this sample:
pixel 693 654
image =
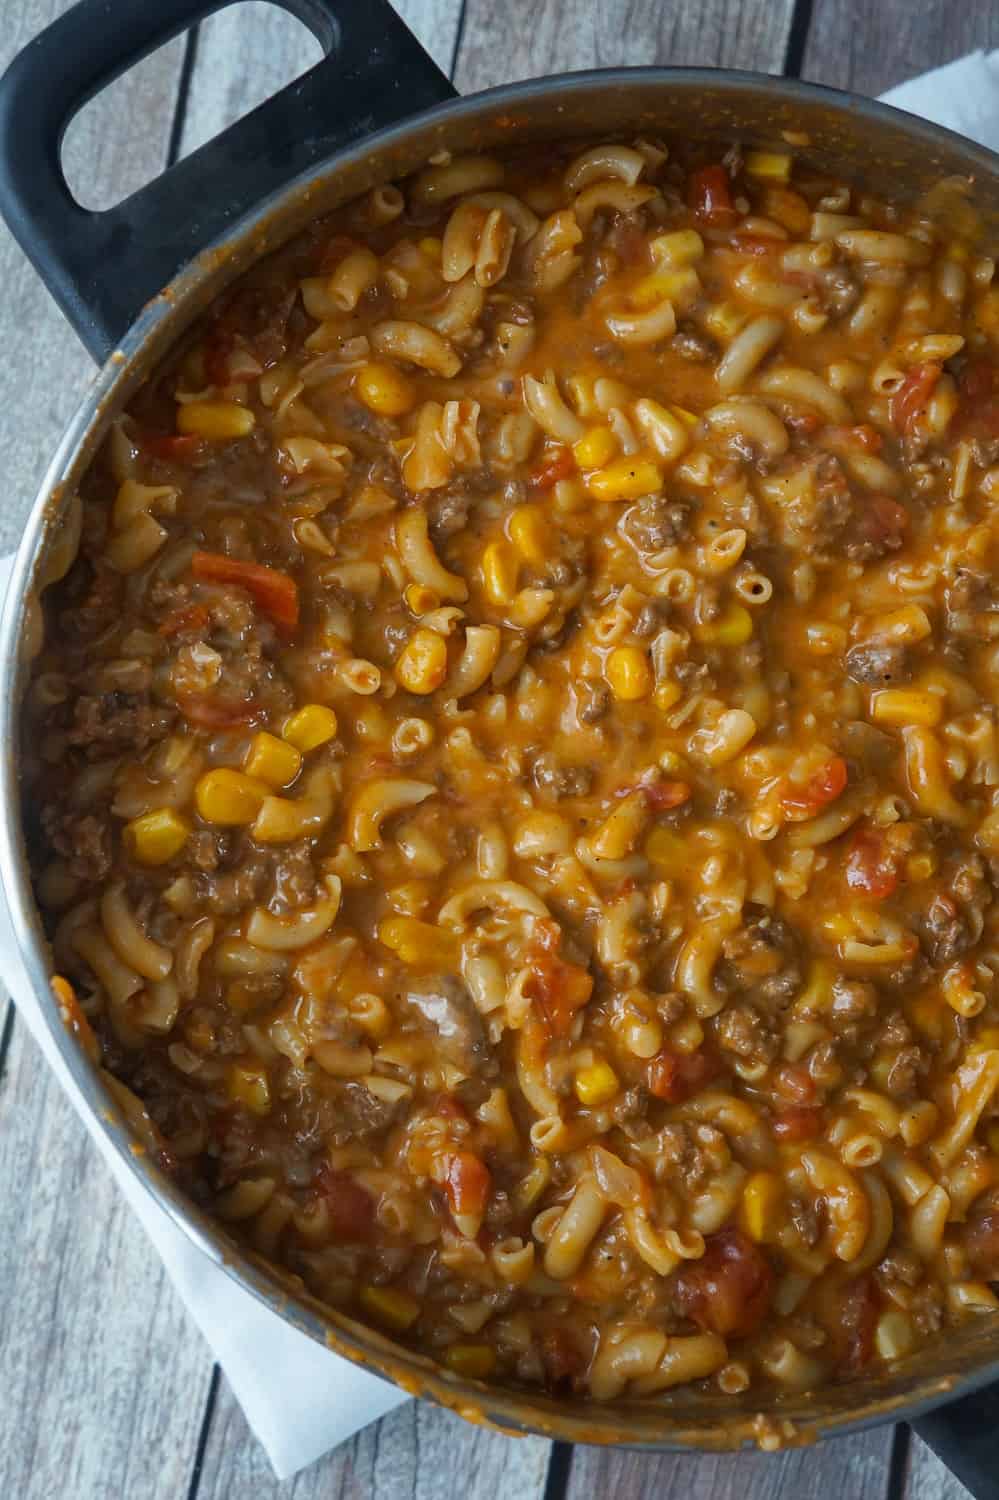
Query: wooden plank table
pixel 108 1389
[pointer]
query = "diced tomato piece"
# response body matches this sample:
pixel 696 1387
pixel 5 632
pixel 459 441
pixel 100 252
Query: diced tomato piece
pixel 883 522
pixel 909 401
pixel 186 619
pixel 173 447
pixel 661 796
pixel 710 196
pixel 557 463
pixel 450 1108
pixel 273 591
pixel 797 1123
pixel 804 423
pixel 871 866
pixel 729 1290
pixel 676 1076
pixel 351 1207
pixel 856 1318
pixel 823 786
pixel 213 713
pixel 467 1181
pixel 558 988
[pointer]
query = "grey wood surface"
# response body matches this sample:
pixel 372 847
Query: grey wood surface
pixel 108 1390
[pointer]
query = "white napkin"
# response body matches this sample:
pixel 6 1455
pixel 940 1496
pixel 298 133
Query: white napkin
pixel 299 1398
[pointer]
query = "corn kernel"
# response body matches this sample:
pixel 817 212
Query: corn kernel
pixel 724 319
pixel 666 851
pixel 667 695
pixel 229 797
pixel 218 420
pixel 156 837
pixel 389 1306
pixel 928 1013
pixel 596 1084
pixel 901 706
pixel 595 448
pixel 760 1213
pixel 680 248
pixel 531 534
pixel 310 727
pixel 499 572
pixel 422 663
pixel 773 164
pixel 384 389
pixel 681 287
pixel 733 627
pixel 247 1084
pixel 272 760
pixel 626 479
pixel 419 943
pixel 920 867
pixel 475 1361
pixel 628 674
pixel 432 246
pixel 419 599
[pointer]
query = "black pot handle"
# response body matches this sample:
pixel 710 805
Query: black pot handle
pixel 102 267
pixel 964 1435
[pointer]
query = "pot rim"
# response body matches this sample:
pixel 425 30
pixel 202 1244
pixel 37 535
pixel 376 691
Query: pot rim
pixel 165 316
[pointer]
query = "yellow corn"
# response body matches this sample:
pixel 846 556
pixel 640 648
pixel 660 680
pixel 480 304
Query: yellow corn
pixel 920 867
pixel 247 1084
pixel 156 837
pixel 419 943
pixel 666 851
pixel 475 1361
pixel 272 760
pixel 733 627
pixel 531 534
pixel 628 674
pixel 667 695
pixel 596 1084
pixel 422 663
pixel 901 706
pixel 626 479
pixel 679 248
pixel 595 448
pixel 310 727
pixel 499 572
pixel 229 797
pixel 389 1306
pixel 218 420
pixel 384 389
pixel 419 599
pixel 762 1202
pixel 724 319
pixel 773 164
pixel 928 1013
pixel 432 246
pixel 681 287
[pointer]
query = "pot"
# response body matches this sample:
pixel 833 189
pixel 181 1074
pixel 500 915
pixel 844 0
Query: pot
pixel 132 278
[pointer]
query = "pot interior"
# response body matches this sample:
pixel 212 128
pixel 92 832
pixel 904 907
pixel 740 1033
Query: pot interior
pixel 893 154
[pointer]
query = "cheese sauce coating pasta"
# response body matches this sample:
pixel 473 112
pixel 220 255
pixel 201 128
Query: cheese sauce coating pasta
pixel 512 770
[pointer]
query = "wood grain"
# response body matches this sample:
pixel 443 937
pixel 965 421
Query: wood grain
pixel 525 38
pixel 249 51
pixel 927 1479
pixel 871 47
pixel 415 1453
pixel 104 1378
pixel 853 1468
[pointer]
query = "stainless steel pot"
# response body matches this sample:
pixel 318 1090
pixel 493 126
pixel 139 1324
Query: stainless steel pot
pixel 373 110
